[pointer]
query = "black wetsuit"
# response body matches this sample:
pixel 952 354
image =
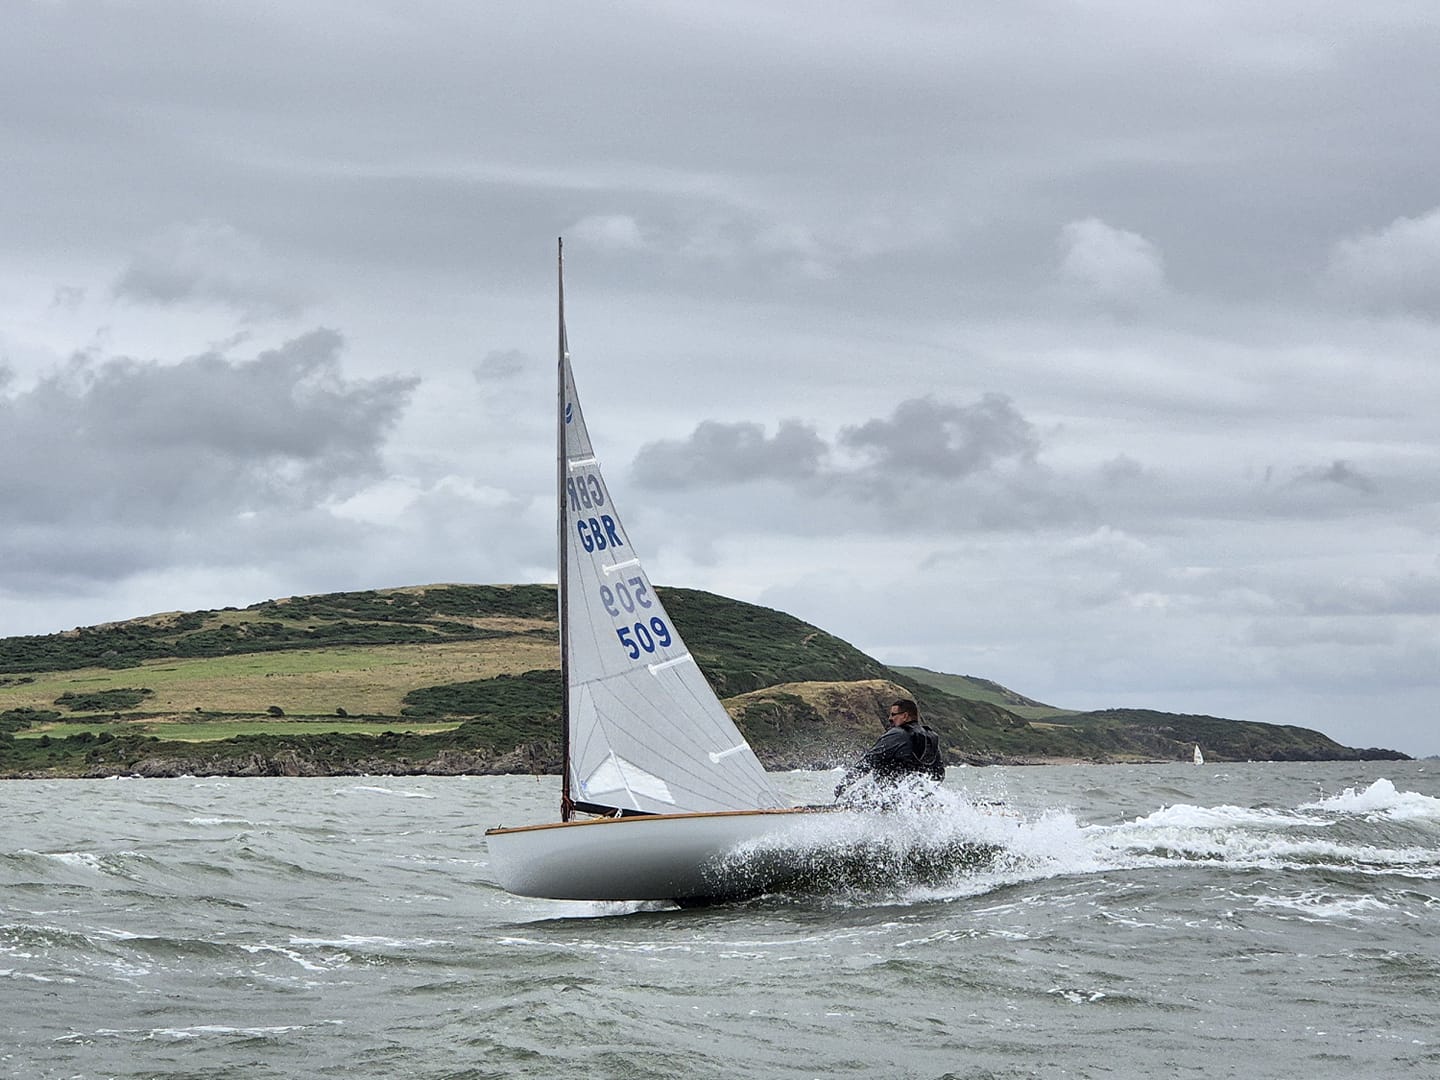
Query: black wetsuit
pixel 909 749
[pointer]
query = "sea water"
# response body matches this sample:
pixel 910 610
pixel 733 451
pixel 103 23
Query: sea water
pixel 1255 920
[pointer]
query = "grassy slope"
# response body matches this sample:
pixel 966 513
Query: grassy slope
pixel 973 688
pixel 361 679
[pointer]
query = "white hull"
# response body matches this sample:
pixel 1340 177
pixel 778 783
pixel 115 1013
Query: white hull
pixel 713 856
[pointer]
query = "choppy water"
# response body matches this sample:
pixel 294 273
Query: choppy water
pixel 1148 921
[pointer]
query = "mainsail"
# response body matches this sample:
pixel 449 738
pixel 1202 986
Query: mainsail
pixel 645 733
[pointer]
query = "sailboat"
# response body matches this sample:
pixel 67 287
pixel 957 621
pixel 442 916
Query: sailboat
pixel 661 797
pixel 1198 757
pixel 679 806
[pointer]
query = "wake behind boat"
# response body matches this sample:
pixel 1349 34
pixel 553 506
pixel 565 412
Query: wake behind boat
pixel 683 809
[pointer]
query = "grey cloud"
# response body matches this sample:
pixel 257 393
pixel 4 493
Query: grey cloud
pixel 936 465
pixel 107 463
pixel 720 453
pixel 707 235
pixel 925 438
pixel 1174 497
pixel 922 439
pixel 68 297
pixel 1341 473
pixel 941 466
pixel 619 232
pixel 947 468
pixel 1397 266
pixel 210 262
pixel 1120 471
pixel 1377 594
pixel 1114 265
pixel 894 145
pixel 502 364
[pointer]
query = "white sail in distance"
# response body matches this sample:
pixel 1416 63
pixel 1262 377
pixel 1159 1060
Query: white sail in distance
pixel 646 732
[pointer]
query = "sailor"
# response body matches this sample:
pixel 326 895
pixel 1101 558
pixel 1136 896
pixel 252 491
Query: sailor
pixel 907 749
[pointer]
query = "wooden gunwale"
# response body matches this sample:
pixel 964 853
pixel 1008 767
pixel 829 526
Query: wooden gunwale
pixel 502 830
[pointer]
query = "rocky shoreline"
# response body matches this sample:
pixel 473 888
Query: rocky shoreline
pixel 524 761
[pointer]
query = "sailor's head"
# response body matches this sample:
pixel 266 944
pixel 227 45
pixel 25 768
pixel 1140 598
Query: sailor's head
pixel 902 712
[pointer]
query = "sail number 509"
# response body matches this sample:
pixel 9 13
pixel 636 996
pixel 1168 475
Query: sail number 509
pixel 644 636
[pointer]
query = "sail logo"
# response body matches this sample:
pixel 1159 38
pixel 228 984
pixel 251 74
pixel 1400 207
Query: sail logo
pixel 569 412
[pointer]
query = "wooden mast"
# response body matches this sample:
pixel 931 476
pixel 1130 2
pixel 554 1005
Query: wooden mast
pixel 567 804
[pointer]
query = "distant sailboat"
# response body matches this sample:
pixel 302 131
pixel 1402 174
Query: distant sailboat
pixel 1199 758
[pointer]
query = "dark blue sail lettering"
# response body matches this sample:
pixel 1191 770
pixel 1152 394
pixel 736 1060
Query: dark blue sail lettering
pixel 611 530
pixel 639 637
pixel 644 637
pixel 629 642
pixel 598 534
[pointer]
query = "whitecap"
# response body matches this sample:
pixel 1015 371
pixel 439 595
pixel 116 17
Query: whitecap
pixel 1143 844
pixel 357 941
pixel 221 821
pixel 87 860
pixel 200 1030
pixel 1078 996
pixel 1323 907
pixel 374 789
pixel 1183 815
pixel 1383 800
pixel 289 954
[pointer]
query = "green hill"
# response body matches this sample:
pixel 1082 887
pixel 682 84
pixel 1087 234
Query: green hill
pixel 974 688
pixel 464 678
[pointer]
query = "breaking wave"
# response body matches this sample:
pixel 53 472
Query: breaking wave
pixel 947 844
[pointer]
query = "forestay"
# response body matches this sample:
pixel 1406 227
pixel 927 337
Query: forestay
pixel 646 732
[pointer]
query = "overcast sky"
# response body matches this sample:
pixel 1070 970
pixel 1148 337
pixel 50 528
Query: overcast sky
pixel 1093 348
